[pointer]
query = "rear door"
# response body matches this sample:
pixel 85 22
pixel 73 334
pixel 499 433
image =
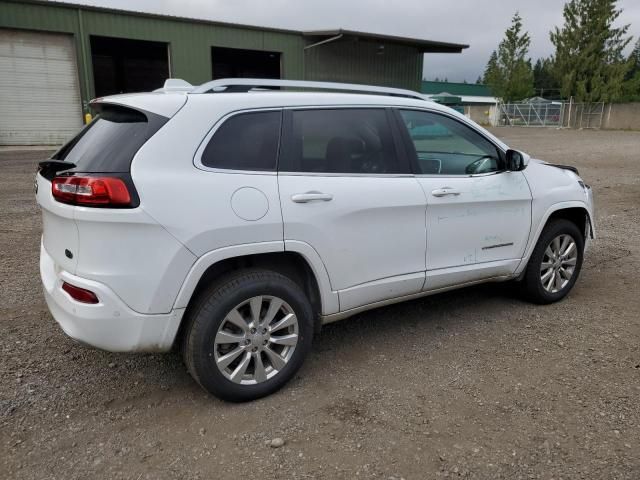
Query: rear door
pixel 478 214
pixel 345 191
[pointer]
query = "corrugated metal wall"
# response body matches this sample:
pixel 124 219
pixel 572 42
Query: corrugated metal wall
pixel 190 45
pixel 189 42
pixel 365 62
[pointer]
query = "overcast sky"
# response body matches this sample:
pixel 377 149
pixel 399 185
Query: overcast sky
pixel 478 23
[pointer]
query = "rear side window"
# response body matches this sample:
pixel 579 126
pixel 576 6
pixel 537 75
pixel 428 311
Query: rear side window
pixel 247 141
pixel 350 140
pixel 110 141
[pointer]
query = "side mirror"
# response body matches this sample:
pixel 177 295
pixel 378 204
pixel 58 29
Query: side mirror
pixel 517 160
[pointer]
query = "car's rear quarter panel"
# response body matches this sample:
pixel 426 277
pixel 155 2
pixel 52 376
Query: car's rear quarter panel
pixel 194 205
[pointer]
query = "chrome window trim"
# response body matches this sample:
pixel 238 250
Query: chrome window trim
pixel 197 159
pixel 330 174
pixel 473 175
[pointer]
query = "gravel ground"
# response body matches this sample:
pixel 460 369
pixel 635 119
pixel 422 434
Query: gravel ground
pixel 469 384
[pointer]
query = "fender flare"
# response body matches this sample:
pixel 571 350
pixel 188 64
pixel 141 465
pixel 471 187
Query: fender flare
pixel 533 238
pixel 328 298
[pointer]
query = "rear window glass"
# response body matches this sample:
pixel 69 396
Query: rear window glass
pixel 247 141
pixel 110 141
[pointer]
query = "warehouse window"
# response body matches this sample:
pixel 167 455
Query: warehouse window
pixel 248 141
pixel 241 63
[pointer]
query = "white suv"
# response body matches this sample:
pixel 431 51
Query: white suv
pixel 232 222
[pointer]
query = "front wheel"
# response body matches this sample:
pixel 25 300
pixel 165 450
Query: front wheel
pixel 248 335
pixel 555 263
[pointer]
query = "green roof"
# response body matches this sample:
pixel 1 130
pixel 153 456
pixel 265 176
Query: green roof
pixel 471 89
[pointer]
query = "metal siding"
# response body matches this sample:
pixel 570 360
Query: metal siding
pixel 359 62
pixel 39 90
pixel 190 45
pixel 189 42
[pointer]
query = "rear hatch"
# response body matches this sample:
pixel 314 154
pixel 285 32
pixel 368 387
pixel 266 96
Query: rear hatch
pixel 103 149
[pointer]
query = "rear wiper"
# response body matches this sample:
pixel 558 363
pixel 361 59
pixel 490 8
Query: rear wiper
pixel 48 168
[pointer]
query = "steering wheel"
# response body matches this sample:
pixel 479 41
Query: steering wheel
pixel 479 165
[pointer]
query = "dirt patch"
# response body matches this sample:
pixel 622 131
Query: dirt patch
pixel 468 384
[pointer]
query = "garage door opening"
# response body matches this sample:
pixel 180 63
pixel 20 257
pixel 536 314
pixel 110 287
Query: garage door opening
pixel 39 90
pixel 239 63
pixel 121 65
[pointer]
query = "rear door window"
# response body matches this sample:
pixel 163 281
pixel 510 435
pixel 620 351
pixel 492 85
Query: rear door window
pixel 247 141
pixel 345 140
pixel 110 141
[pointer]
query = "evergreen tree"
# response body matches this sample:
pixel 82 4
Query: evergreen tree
pixel 508 71
pixel 588 60
pixel 634 61
pixel 544 82
pixel 492 73
pixel 631 86
pixel 478 80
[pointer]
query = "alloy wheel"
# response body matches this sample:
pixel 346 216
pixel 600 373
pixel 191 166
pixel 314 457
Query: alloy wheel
pixel 256 340
pixel 558 263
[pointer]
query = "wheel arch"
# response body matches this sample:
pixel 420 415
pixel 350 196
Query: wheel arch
pixel 294 263
pixel 574 211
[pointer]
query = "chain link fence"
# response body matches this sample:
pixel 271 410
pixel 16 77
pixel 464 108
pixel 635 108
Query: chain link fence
pixel 551 114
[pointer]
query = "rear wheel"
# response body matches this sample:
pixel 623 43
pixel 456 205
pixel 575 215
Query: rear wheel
pixel 555 263
pixel 249 334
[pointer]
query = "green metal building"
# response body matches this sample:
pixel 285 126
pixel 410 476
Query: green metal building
pixel 55 57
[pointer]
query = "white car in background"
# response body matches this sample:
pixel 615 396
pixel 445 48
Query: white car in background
pixel 232 221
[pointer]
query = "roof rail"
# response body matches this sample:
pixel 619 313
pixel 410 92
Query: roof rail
pixel 247 84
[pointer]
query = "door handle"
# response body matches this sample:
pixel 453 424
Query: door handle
pixel 311 197
pixel 444 191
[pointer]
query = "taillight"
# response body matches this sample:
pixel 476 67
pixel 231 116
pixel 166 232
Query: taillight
pixel 91 191
pixel 79 294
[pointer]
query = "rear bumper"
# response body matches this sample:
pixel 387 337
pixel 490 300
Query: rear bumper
pixel 110 324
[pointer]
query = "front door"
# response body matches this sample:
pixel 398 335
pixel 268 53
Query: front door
pixel 478 214
pixel 345 192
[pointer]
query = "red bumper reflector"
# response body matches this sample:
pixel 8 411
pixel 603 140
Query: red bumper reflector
pixel 79 294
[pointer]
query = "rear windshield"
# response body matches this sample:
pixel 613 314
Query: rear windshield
pixel 110 141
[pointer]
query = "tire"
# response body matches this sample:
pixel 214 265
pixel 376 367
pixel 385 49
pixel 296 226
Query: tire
pixel 216 322
pixel 555 286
